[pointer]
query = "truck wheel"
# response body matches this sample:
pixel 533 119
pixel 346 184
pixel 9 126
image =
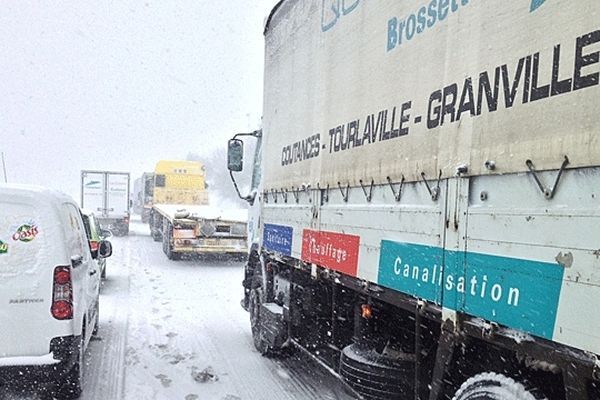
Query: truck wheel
pixel 493 386
pixel 156 236
pixel 375 376
pixel 255 322
pixel 72 384
pixel 168 244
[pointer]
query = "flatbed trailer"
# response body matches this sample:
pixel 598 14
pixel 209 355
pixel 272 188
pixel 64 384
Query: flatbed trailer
pixel 199 229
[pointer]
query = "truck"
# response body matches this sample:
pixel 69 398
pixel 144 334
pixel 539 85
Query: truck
pixel 182 219
pixel 143 192
pixel 106 194
pixel 425 202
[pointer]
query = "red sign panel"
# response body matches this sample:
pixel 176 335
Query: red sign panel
pixel 331 250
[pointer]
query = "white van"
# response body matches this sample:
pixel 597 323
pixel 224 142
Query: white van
pixel 49 287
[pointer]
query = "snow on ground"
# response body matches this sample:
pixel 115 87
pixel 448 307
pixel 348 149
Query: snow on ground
pixel 176 330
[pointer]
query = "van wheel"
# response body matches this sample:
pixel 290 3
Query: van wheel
pixel 97 325
pixel 71 386
pixel 255 322
pixel 493 386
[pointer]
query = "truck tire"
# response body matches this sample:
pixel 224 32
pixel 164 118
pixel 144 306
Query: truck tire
pixel 377 377
pixel 156 236
pixel 493 386
pixel 155 228
pixel 255 322
pixel 168 244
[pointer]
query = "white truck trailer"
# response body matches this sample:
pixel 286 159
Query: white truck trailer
pixel 426 196
pixel 106 193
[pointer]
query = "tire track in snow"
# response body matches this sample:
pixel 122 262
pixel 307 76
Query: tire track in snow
pixel 105 372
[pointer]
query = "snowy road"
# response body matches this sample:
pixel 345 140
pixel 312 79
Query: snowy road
pixel 175 330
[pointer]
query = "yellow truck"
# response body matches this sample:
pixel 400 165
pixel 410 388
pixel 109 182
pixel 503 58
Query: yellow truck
pixel 182 218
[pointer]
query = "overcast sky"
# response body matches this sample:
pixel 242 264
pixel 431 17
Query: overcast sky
pixel 120 85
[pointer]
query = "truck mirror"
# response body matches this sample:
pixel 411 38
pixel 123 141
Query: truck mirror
pixel 235 155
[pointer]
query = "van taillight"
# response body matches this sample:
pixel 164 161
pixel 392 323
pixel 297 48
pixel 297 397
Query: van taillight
pixel 62 294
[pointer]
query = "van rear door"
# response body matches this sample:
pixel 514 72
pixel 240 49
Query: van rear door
pixel 93 189
pixel 117 195
pixel 27 262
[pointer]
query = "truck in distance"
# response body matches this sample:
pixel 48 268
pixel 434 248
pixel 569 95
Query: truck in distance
pixel 425 206
pixel 143 192
pixel 182 218
pixel 106 194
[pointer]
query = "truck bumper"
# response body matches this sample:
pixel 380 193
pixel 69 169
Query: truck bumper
pixel 211 246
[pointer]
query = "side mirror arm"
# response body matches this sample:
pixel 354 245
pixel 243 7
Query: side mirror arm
pixel 250 198
pixel 256 134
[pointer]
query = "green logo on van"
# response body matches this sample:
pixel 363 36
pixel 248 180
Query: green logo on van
pixel 26 233
pixel 3 247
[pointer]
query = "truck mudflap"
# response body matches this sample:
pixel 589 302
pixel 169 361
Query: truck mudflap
pixel 274 328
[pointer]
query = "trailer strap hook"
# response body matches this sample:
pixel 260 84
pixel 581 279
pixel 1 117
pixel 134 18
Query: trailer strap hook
pixel 548 192
pixel 296 193
pixel 324 193
pixel 369 195
pixel 399 194
pixel 275 192
pixel 434 192
pixel 344 194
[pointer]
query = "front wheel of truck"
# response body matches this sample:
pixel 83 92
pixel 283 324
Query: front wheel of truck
pixel 255 322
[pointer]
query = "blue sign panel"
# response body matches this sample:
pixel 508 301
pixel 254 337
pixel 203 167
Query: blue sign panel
pixel 517 293
pixel 278 238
